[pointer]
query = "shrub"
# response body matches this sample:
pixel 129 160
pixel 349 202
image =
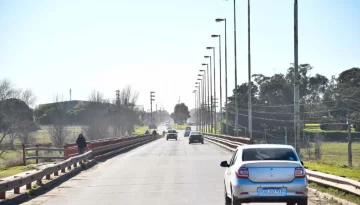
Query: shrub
pixel 13 162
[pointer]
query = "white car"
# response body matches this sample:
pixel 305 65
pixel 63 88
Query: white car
pixel 265 173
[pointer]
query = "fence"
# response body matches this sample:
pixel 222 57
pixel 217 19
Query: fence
pixel 100 148
pixel 41 147
pixel 349 185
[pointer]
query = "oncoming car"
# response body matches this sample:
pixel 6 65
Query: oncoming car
pixel 196 137
pixel 265 173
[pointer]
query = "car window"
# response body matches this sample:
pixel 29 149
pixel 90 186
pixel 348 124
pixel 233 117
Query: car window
pixel 233 158
pixel 172 131
pixel 195 133
pixel 256 154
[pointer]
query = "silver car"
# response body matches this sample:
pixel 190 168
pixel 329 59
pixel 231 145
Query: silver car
pixel 265 173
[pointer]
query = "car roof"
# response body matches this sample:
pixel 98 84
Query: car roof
pixel 265 146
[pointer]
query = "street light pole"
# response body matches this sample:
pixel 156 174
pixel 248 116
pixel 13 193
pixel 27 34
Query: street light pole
pixel 199 101
pixel 226 82
pixel 208 96
pixel 211 96
pixel 235 90
pixel 203 80
pixel 151 100
pixel 296 81
pixel 195 106
pixel 214 117
pixel 219 36
pixel 249 77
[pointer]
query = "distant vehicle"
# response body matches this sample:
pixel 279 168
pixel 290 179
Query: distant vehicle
pixel 171 134
pixel 196 137
pixel 265 173
pixel 187 131
pixel 152 127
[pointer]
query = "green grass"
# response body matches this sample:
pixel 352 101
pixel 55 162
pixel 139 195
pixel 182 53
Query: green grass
pixel 140 130
pixel 6 172
pixel 352 173
pixel 316 128
pixel 336 192
pixel 179 127
pixel 334 159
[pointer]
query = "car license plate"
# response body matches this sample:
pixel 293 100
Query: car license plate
pixel 271 190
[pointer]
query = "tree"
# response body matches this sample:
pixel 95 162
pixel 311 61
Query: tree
pixel 15 117
pixel 181 113
pixel 97 120
pixel 57 130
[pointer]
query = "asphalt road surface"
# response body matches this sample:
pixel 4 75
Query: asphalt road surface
pixel 159 173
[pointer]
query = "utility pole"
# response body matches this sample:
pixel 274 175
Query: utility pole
pixel 235 90
pixel 152 98
pixel 286 136
pixel 296 82
pixel 70 94
pixel 249 77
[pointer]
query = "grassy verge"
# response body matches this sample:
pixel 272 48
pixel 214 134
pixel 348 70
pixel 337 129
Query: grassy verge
pixel 140 130
pixel 5 172
pixel 179 127
pixel 336 192
pixel 316 128
pixel 333 153
pixel 334 169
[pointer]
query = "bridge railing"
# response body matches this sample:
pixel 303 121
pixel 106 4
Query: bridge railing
pixel 97 148
pixel 231 143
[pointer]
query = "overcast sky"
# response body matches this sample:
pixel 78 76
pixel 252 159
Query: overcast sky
pixel 51 46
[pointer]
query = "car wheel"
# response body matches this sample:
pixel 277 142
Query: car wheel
pixel 202 142
pixel 290 203
pixel 167 139
pixel 302 202
pixel 227 199
pixel 234 201
pixel 189 142
pixel 175 138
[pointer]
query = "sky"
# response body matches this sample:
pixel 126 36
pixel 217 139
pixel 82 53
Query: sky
pixel 51 46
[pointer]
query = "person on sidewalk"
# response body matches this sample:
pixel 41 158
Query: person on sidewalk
pixel 81 143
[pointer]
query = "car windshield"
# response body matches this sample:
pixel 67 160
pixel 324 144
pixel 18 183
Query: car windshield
pixel 256 154
pixel 172 131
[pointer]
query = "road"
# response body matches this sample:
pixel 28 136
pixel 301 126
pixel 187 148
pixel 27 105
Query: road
pixel 159 173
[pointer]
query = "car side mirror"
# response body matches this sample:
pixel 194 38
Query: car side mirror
pixel 302 163
pixel 224 164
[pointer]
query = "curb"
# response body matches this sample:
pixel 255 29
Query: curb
pixel 52 184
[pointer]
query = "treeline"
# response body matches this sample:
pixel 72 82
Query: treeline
pixel 98 116
pixel 322 100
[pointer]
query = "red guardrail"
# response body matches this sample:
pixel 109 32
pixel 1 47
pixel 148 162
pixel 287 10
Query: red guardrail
pixel 72 149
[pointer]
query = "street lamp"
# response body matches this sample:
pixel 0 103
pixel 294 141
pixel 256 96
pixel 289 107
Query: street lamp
pixel 151 100
pixel 204 99
pixel 195 102
pixel 198 104
pixel 214 118
pixel 226 82
pixel 210 96
pixel 235 58
pixel 219 36
pixel 201 84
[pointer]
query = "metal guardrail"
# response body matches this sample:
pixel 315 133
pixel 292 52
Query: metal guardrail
pixel 18 181
pixel 325 179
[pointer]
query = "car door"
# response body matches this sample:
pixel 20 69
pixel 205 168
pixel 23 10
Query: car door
pixel 229 170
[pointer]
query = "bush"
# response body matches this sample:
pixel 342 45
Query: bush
pixel 13 162
pixel 333 126
pixel 335 136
